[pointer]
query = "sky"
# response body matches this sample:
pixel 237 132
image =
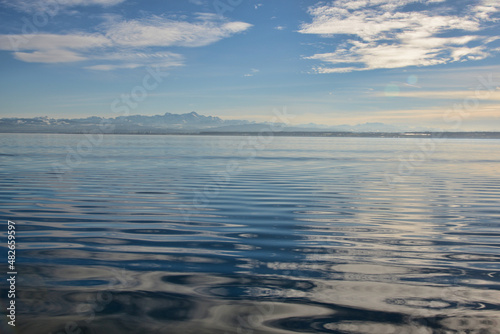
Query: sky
pixel 417 63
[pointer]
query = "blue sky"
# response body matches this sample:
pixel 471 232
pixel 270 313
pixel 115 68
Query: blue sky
pixel 432 63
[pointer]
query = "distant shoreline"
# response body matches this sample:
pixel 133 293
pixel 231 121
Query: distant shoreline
pixel 329 134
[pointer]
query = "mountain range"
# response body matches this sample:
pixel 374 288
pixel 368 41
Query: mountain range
pixel 171 123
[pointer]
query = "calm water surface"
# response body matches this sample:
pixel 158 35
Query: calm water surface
pixel 188 234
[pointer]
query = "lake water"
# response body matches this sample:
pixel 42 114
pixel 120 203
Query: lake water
pixel 220 234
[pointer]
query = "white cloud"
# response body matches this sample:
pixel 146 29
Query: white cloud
pixel 122 44
pixel 52 42
pixel 133 60
pixel 113 67
pixel 51 48
pixel 163 32
pixel 383 34
pixel 321 69
pixel 49 56
pixel 486 9
pixel 170 56
pixel 253 71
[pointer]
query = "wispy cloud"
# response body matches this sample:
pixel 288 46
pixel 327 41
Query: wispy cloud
pixel 158 31
pixel 33 6
pixel 450 95
pixel 197 2
pixel 434 117
pixel 52 41
pixel 253 71
pixel 387 34
pixel 321 69
pixel 123 44
pixel 131 60
pixel 51 48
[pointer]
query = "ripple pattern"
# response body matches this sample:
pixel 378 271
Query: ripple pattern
pixel 191 234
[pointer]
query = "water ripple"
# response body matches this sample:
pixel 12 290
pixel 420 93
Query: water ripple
pixel 142 237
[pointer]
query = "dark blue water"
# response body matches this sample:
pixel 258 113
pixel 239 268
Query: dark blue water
pixel 190 234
